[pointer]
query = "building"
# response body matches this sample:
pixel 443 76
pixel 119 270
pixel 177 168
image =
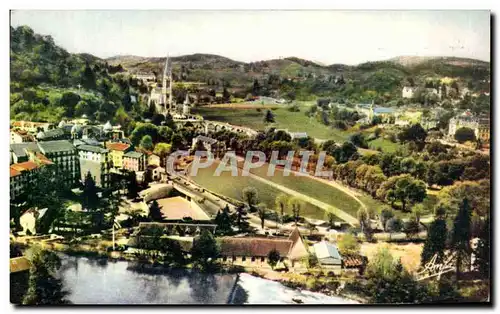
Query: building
pixel 209 144
pixel 117 151
pixel 96 160
pixel 65 157
pixel 51 135
pixel 134 161
pixel 298 135
pixel 20 136
pixel 179 208
pixel 157 173
pixel 19 151
pixel 153 160
pixel 328 256
pixel 186 107
pixel 253 251
pixel 480 125
pixel 22 174
pixel 31 127
pixel 30 218
pixel 408 92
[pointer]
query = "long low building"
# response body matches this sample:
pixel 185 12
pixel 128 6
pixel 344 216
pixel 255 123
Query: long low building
pixel 253 251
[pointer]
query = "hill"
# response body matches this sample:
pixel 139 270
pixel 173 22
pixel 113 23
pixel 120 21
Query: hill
pixel 277 77
pixel 48 83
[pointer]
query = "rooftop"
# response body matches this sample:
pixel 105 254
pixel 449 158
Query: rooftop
pixel 92 148
pixel 52 133
pixel 20 149
pixel 133 154
pixel 325 249
pixel 253 246
pixel 117 146
pixel 206 139
pixel 56 146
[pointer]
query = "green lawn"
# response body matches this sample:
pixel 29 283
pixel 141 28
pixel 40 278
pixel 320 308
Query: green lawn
pixel 230 186
pixel 386 145
pixel 313 188
pixel 293 121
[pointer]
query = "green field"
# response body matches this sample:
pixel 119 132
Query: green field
pixel 232 187
pixel 313 188
pixel 293 121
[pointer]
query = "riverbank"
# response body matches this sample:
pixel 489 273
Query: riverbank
pixel 295 281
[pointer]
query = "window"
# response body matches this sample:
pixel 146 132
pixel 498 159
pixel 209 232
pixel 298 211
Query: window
pixel 234 258
pixel 224 259
pixel 244 258
pixel 253 258
pixel 262 259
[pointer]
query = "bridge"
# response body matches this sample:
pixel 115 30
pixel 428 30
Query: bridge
pixel 208 126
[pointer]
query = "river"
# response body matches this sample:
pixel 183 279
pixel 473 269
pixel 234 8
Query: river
pixel 99 281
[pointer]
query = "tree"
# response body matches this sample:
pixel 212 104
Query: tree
pixel 296 205
pixel 411 227
pixel 410 190
pixel 132 185
pixel 240 218
pixel 205 250
pixel 482 251
pixel 414 133
pixel 394 225
pixel 155 213
pixel 90 200
pixel 269 117
pixel 226 96
pixel 461 235
pixel 435 242
pixel 250 196
pixel 162 150
pixel 262 213
pixel 463 135
pixel 43 287
pixel 88 78
pixel 273 258
pixel 345 153
pixel 348 244
pixel 147 142
pixel 385 215
pixel 388 282
pixel 281 202
pixel 256 88
pixel 358 139
pixel 223 221
pixel 331 219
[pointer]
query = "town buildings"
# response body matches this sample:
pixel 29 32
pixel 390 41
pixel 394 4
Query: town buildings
pixel 65 157
pixel 22 173
pixel 209 144
pixel 480 125
pixel 20 136
pixel 328 256
pixel 134 161
pixel 117 151
pixel 253 251
pixel 94 160
pixel 408 92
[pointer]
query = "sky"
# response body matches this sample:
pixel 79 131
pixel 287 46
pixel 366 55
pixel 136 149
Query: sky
pixel 327 37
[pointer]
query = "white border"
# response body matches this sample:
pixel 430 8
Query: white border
pixel 200 4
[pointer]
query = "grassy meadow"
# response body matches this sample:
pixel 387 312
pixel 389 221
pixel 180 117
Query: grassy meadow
pixel 230 186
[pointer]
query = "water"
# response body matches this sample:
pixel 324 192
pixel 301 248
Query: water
pixel 97 281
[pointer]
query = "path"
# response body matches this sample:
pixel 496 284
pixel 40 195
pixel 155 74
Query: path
pixel 326 207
